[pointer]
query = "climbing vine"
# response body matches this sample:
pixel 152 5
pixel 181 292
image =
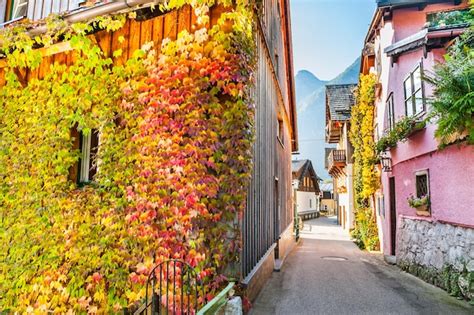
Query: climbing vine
pixel 173 163
pixel 366 177
pixel 400 132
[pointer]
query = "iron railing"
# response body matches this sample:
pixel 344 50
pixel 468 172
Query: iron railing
pixel 172 287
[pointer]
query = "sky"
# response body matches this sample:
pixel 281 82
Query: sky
pixel 328 35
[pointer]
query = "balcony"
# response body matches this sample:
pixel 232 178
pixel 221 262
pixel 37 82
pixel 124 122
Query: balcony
pixel 337 162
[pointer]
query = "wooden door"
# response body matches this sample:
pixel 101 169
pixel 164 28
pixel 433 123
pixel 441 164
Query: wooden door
pixel 393 215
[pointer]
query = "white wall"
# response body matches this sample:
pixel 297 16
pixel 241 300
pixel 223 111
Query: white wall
pixel 350 208
pixel 303 201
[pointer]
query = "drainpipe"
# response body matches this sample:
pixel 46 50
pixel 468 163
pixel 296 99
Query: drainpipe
pixel 92 12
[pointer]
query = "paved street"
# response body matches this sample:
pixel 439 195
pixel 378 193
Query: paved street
pixel 317 279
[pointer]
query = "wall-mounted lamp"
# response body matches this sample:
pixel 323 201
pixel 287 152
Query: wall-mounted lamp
pixel 386 162
pixel 295 184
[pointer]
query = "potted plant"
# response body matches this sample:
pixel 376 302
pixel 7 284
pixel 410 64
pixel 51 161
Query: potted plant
pixel 421 204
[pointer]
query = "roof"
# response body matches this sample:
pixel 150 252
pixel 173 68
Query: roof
pixel 288 42
pixel 339 101
pixel 326 187
pixel 397 3
pixel 423 38
pixel 300 168
pixel 297 165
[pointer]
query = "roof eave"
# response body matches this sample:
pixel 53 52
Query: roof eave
pixel 290 75
pixel 422 38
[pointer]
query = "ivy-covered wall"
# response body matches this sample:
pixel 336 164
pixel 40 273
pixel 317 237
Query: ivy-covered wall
pixel 366 177
pixel 174 158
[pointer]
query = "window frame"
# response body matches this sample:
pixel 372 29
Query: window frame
pixel 412 96
pixel 88 163
pixel 10 8
pixel 420 173
pixel 424 172
pixel 390 112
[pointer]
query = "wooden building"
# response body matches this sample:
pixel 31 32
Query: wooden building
pixel 307 193
pixel 267 224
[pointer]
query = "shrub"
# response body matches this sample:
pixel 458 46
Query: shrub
pixel 453 100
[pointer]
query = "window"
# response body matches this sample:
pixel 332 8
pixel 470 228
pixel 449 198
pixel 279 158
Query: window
pixel 422 184
pixel 89 145
pixel 381 206
pixel 390 113
pixel 310 203
pixel 414 95
pixel 19 9
pixel 378 58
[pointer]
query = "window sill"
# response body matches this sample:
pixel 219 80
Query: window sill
pixel 6 23
pixel 423 213
pixel 82 185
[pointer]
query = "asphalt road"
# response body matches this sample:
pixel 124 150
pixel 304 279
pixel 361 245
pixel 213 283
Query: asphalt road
pixel 328 274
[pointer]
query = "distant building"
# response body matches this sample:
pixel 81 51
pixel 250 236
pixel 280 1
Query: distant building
pixel 307 195
pixel 326 199
pixel 339 101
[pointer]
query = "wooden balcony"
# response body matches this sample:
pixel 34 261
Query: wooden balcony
pixel 337 163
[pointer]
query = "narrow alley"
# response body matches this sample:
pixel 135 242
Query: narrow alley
pixel 328 274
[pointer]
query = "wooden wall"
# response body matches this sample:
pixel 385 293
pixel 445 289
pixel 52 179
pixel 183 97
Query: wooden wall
pixel 269 200
pixel 136 33
pixel 271 22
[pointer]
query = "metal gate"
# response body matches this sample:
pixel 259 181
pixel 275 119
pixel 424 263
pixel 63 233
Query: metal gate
pixel 172 287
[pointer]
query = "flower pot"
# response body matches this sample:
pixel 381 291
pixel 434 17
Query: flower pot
pixel 423 210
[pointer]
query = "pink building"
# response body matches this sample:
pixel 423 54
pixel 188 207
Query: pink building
pixel 405 40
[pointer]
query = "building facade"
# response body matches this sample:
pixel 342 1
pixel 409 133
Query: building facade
pixel 405 41
pixel 327 201
pixel 339 101
pixel 308 192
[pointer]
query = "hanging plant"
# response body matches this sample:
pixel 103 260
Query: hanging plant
pixel 402 130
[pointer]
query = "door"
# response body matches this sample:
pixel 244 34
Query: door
pixel 393 215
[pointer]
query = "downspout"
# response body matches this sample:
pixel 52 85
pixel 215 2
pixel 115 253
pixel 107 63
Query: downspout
pixel 92 12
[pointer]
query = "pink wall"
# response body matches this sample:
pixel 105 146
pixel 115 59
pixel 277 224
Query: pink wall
pixel 450 170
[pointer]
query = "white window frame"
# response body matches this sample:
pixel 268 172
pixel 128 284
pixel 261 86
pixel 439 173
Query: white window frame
pixel 17 5
pixel 390 112
pixel 423 173
pixel 410 102
pixel 85 164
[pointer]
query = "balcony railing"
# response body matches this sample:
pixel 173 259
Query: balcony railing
pixel 336 161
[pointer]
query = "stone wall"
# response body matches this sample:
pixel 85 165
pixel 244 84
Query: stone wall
pixel 439 253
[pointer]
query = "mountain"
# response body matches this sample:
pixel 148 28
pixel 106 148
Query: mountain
pixel 350 75
pixel 311 110
pixel 307 83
